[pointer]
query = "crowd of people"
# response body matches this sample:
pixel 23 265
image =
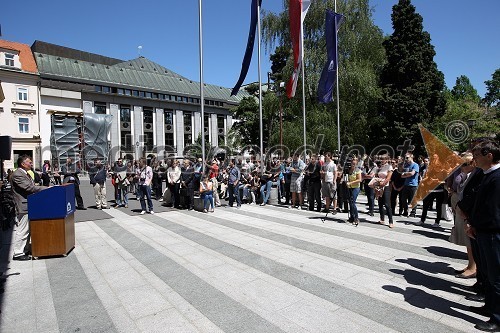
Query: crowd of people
pixel 471 194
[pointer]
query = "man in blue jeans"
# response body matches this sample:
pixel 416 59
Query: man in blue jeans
pixel 233 181
pixel 411 184
pixel 484 226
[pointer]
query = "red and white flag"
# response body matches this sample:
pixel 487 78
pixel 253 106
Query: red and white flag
pixel 297 12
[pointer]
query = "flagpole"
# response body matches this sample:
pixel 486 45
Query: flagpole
pixel 303 84
pixel 337 75
pixel 202 97
pixel 260 89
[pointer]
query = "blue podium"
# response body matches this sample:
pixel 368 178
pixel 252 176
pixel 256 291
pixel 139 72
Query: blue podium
pixel 52 221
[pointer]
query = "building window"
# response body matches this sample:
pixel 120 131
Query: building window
pixel 9 59
pixel 135 93
pixel 169 128
pixel 142 94
pixel 128 92
pixel 106 89
pixel 188 128
pixel 99 108
pixel 155 95
pixel 125 114
pixel 120 91
pixel 148 94
pixel 24 125
pixel 98 88
pixel 22 94
pixel 148 116
pixel 206 126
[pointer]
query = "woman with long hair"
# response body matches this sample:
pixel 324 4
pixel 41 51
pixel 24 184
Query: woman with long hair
pixel 383 175
pixel 354 186
pixel 206 193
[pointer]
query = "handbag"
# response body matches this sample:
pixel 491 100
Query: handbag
pixel 446 212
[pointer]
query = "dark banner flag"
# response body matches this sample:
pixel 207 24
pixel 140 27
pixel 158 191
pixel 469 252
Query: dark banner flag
pixel 251 40
pixel 329 74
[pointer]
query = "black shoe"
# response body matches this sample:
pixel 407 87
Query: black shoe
pixel 371 214
pixel 405 214
pixel 23 257
pixel 476 298
pixel 480 310
pixel 488 326
pixel 81 208
pixel 412 215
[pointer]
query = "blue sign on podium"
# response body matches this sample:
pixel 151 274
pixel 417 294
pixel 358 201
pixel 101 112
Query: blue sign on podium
pixel 56 202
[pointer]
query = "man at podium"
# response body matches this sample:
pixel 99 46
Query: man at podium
pixel 22 186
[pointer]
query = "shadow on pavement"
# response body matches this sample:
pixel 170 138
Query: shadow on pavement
pixel 420 299
pixel 446 252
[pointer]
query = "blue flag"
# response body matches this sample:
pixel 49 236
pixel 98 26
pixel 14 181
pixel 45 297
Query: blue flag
pixel 329 74
pixel 248 53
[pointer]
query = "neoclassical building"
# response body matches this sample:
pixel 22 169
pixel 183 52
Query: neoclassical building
pixel 149 108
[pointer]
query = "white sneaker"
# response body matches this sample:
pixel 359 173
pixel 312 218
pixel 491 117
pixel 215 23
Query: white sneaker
pixel 143 212
pixel 289 207
pixel 299 207
pixel 161 200
pixel 151 212
pixel 436 225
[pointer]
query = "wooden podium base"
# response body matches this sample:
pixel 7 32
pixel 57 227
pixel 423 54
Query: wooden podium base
pixel 52 237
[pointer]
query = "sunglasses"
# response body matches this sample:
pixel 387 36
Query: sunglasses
pixel 466 164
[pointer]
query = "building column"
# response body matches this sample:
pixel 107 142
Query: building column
pixel 138 133
pixel 215 134
pixel 160 129
pixel 179 131
pixel 114 110
pixel 197 122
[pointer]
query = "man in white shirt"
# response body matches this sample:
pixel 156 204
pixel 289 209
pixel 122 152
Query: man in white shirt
pixel 329 184
pixel 144 175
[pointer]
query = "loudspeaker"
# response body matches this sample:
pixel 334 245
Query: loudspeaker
pixel 5 147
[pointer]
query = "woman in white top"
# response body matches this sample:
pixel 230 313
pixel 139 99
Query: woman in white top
pixel 384 173
pixel 174 181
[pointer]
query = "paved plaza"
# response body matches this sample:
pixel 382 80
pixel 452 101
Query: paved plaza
pixel 254 269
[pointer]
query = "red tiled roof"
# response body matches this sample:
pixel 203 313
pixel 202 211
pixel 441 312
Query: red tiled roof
pixel 26 58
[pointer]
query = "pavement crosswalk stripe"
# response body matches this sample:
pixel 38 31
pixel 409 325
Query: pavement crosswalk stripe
pixel 223 311
pixel 451 254
pixel 354 301
pixel 77 306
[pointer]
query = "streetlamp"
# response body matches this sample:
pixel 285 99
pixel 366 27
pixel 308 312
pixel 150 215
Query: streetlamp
pixel 471 123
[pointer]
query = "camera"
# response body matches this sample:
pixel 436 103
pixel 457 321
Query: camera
pixel 347 164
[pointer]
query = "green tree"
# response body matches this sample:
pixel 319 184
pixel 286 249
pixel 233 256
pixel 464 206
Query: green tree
pixel 492 97
pixel 411 83
pixel 463 90
pixel 361 57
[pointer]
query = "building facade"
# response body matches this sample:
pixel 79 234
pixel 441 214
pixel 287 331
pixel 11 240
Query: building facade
pixel 19 110
pixel 154 110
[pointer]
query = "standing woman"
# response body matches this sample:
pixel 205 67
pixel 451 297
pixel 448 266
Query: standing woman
pixel 354 186
pixel 174 181
pixel 458 235
pixel 57 176
pixel 46 170
pixel 385 174
pixel 368 172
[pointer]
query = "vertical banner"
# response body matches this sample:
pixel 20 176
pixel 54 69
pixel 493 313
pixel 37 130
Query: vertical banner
pixel 329 74
pixel 249 50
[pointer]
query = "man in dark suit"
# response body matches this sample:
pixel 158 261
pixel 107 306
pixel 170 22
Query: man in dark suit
pixel 22 186
pixel 484 226
pixel 70 173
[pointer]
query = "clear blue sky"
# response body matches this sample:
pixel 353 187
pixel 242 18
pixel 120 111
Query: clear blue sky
pixel 464 33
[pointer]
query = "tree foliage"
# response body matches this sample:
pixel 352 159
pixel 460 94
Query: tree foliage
pixel 463 90
pixel 361 57
pixel 411 83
